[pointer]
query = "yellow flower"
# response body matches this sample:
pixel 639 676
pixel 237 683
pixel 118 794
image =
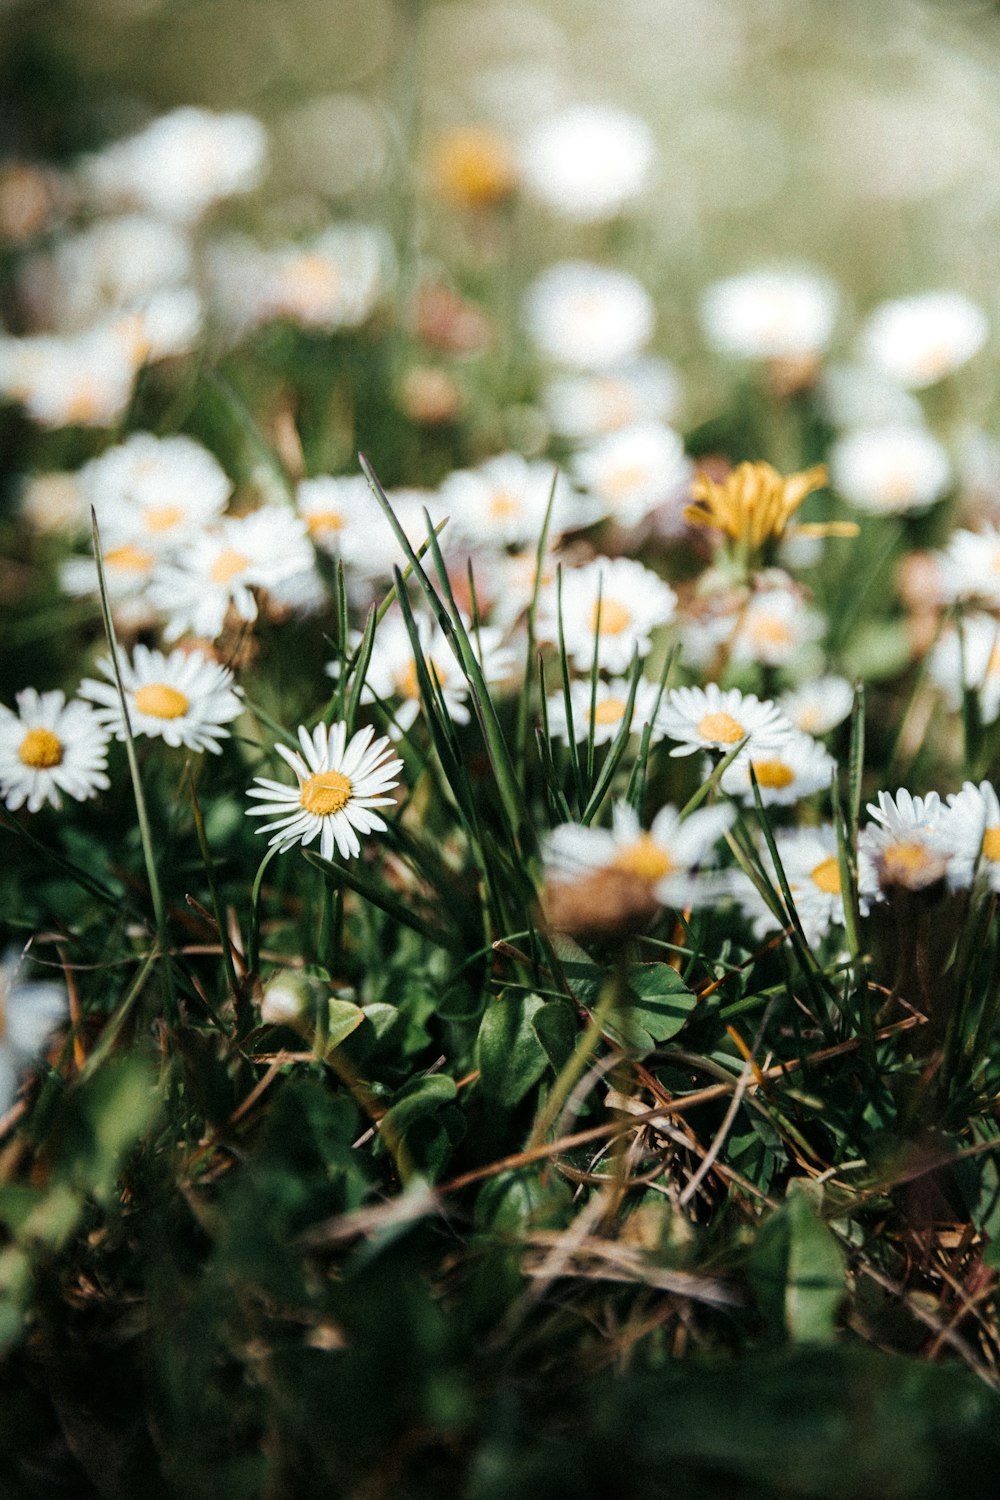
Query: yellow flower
pixel 755 503
pixel 473 165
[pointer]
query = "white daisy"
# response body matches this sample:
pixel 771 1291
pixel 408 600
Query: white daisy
pixel 78 380
pixel 919 340
pixel 974 821
pixel 710 719
pixel 339 512
pixel 858 396
pixel 128 571
pixel 634 470
pixel 112 264
pixel 819 706
pixel 584 406
pixel 770 314
pixel 335 281
pixel 30 1010
pixel 970 566
pixel 587 316
pixel 155 493
pixel 48 747
pixel 392 670
pixel 181 164
pixel 662 862
pixel 911 844
pixel 776 628
pixel 54 502
pixel 222 567
pixel 503 501
pixel 799 767
pixel 337 786
pixel 811 863
pixel 890 470
pixel 610 703
pixel 183 698
pixel 969 661
pixel 617 596
pixel 587 162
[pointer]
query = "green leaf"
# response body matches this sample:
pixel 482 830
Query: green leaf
pixel 814 1285
pixel 345 1017
pixel 657 1006
pixel 422 1096
pixel 556 1027
pixel 511 1056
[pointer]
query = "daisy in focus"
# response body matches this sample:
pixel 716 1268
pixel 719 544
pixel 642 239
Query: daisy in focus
pixel 183 698
pixel 912 844
pixel 49 747
pixel 974 816
pixel 710 719
pixel 819 706
pixel 338 784
pixel 605 880
pixel 30 1010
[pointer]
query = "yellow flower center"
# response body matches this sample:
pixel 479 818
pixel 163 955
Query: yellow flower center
pixel 615 617
pixel 228 565
pixel 991 843
pixel 768 630
pixel 162 517
pixel 83 407
pixel 609 711
pixel 311 276
pixel 473 165
pixel 907 862
pixel 161 701
pixel 407 682
pixel 325 793
pixel 721 726
pixel 644 859
pixel 773 773
pixel 503 503
pixel 129 559
pixel 623 481
pixel 40 750
pixel 827 876
pixel 325 520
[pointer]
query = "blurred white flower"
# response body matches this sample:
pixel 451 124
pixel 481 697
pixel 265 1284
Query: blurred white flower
pixel 646 389
pixel 890 470
pixel 54 502
pixel 617 596
pixel 776 628
pixel 502 502
pixel 969 662
pixel 820 705
pixel 919 340
pixel 30 1010
pixel 635 470
pixel 610 700
pixel 858 396
pixel 156 493
pixel 969 566
pixel 181 164
pixel 797 768
pixel 770 314
pixel 974 818
pixel 811 863
pixel 113 264
pixel 80 380
pixel 587 162
pixel 588 317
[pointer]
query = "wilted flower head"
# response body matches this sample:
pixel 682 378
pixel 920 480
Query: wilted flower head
pixel 754 503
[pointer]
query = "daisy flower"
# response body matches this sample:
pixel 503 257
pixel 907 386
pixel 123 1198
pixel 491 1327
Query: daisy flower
pixel 155 493
pixel 770 314
pixel 974 819
pixel 776 628
pixel 634 470
pixel 610 703
pixel 337 784
pixel 603 879
pixel 392 669
pixel 587 162
pixel 588 317
pixel 222 567
pixel 969 662
pixel 917 341
pixel 970 566
pixel 183 698
pixel 811 863
pixel 503 501
pixel 911 843
pixel 647 389
pixel 796 769
pixel 48 747
pixel 858 396
pixel 617 596
pixel 710 719
pixel 29 1011
pixel 890 470
pixel 339 512
pixel 76 380
pixel 819 706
